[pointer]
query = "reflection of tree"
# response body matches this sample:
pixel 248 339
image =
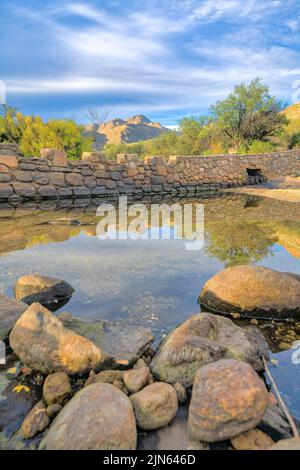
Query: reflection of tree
pixel 239 242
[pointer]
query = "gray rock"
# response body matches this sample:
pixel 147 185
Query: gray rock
pixel 202 339
pixel 99 417
pixel 124 343
pixel 10 311
pixel 53 410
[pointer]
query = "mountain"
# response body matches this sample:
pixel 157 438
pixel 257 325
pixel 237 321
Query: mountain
pixel 116 131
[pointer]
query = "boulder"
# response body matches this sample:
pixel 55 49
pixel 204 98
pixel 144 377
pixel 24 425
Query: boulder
pixel 136 379
pixel 106 376
pixel 35 422
pixel 10 311
pixel 228 398
pixel 252 440
pixel 57 388
pixel 286 444
pixel 122 341
pixel 252 291
pixel 42 343
pixel 50 292
pixel 99 417
pixel 155 406
pixel 202 339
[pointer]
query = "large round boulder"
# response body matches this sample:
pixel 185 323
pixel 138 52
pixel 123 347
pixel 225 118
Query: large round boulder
pixel 99 417
pixel 286 444
pixel 155 406
pixel 202 339
pixel 50 292
pixel 228 398
pixel 42 343
pixel 252 291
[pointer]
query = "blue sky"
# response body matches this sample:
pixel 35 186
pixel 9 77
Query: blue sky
pixel 161 58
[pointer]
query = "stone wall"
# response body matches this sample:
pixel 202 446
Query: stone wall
pixel 54 177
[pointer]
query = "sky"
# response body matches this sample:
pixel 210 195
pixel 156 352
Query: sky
pixel 162 58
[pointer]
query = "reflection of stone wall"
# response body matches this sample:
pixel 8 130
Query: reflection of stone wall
pixel 52 178
pixel 233 219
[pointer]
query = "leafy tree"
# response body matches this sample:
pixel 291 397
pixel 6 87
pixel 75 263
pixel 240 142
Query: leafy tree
pixel 294 141
pixel 249 113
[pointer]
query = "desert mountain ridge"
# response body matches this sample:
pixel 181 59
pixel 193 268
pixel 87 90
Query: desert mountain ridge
pixel 116 131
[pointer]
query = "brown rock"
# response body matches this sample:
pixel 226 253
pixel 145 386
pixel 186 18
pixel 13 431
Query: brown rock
pixel 9 160
pixel 202 339
pixel 42 342
pixel 57 179
pixel 228 398
pixel 139 364
pixel 23 176
pixel 155 406
pixel 57 157
pixel 135 380
pixel 57 388
pixel 53 410
pixel 46 290
pixel 252 291
pixel 35 422
pixel 286 444
pixel 100 408
pixel 252 440
pixel 181 393
pixel 106 376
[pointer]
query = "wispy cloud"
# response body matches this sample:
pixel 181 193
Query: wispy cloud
pixel 172 57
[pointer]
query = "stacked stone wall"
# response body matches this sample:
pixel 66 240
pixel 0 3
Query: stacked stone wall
pixel 94 176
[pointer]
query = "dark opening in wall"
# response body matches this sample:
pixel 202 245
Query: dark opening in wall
pixel 255 176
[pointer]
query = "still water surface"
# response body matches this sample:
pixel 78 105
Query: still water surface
pixel 156 283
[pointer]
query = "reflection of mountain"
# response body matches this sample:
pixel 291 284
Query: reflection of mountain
pixel 134 129
pixel 238 229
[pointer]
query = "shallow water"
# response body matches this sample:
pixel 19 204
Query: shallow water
pixel 156 283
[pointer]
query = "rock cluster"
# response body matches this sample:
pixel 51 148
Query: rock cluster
pixel 93 400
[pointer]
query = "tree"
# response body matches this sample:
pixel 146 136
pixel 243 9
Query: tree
pixel 249 113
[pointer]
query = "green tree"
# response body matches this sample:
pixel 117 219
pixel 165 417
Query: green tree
pixel 249 113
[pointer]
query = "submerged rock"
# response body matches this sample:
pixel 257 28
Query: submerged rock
pixel 228 398
pixel 57 388
pixel 123 342
pixel 10 311
pixel 202 339
pixel 252 440
pixel 99 417
pixel 50 292
pixel 155 406
pixel 35 422
pixel 136 379
pixel 42 343
pixel 253 291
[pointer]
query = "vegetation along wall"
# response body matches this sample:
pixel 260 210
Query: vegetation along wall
pixel 53 176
